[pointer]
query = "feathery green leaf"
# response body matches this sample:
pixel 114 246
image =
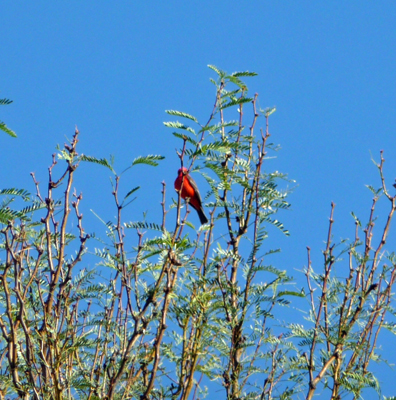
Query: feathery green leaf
pixel 7 130
pixel 244 73
pixel 219 72
pixel 149 160
pixel 15 192
pixel 181 114
pixel 178 125
pixel 100 161
pixel 235 102
pixel 131 191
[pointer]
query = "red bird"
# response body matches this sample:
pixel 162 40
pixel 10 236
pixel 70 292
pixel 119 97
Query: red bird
pixel 190 190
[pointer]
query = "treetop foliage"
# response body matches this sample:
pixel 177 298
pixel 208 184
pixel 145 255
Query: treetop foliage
pixel 162 310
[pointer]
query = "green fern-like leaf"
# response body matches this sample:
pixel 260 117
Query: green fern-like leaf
pixel 3 126
pixel 185 137
pixel 5 102
pixel 6 215
pixel 374 191
pixel 244 73
pixel 7 130
pixel 278 224
pixel 15 192
pixel 143 225
pixel 268 111
pixel 149 160
pixel 222 147
pixel 100 161
pixel 218 71
pixel 227 124
pixel 236 102
pixel 178 125
pixel 181 114
pixel 238 82
pixel 34 207
pixel 131 192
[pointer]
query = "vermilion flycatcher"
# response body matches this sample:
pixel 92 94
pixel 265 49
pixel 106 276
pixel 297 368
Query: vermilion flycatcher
pixel 190 190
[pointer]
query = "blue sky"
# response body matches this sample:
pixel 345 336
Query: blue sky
pixel 112 68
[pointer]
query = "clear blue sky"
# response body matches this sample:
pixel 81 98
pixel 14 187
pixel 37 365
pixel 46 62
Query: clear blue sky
pixel 112 68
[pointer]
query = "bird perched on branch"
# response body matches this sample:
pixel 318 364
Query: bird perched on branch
pixel 189 189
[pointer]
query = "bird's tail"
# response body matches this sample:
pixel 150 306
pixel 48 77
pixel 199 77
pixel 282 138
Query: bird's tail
pixel 202 216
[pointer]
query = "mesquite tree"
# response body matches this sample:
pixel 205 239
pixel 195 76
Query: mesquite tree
pixel 190 311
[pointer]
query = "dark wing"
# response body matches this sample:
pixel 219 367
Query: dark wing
pixel 194 185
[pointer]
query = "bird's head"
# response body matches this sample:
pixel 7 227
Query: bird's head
pixel 182 171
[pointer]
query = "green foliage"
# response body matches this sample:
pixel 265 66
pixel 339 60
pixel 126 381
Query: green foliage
pixel 101 161
pixel 235 102
pixel 7 130
pixel 5 102
pixel 16 192
pixel 181 114
pixel 131 192
pixel 178 125
pixel 3 126
pixel 149 160
pixel 161 310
